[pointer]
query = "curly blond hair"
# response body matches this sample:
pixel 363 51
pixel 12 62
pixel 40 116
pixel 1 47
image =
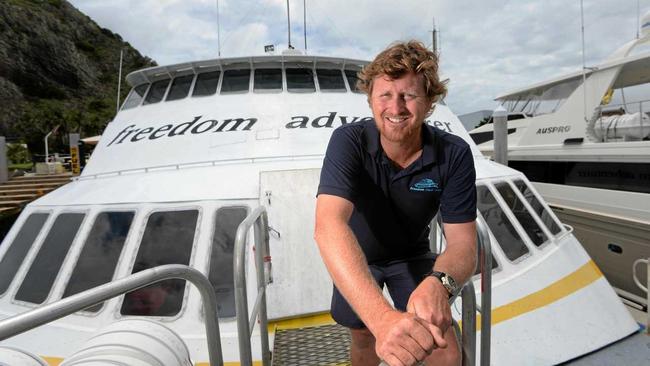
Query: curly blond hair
pixel 400 59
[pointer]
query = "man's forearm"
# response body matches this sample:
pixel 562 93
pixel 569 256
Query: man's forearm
pixel 459 258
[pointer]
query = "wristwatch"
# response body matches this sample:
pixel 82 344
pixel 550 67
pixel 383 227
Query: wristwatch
pixel 447 281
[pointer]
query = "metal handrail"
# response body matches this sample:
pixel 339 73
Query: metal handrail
pixel 468 332
pixel 31 319
pixel 645 288
pixel 486 289
pixel 245 326
pixel 469 307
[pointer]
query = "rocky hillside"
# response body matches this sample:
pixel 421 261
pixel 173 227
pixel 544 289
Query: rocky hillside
pixel 57 67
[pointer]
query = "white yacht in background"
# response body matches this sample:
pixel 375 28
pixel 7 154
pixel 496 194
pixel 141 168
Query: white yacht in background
pixel 586 147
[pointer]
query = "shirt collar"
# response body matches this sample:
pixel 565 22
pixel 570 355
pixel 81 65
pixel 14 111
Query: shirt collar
pixel 429 141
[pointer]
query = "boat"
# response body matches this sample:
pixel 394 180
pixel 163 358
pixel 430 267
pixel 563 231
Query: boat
pixel 199 147
pixel 583 140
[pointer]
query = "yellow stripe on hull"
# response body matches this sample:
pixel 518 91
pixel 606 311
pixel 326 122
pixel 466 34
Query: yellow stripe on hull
pixel 564 287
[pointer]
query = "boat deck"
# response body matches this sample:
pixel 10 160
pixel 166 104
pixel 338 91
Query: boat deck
pixel 322 345
pixel 633 350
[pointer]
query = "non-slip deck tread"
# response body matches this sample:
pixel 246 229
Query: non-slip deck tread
pixel 326 345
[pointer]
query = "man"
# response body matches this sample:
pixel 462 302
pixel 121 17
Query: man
pixel 381 184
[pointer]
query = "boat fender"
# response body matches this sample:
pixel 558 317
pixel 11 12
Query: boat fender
pixel 11 356
pixel 132 342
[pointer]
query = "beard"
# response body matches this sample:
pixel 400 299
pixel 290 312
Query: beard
pixel 399 133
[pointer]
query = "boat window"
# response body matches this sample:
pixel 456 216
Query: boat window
pixel 167 239
pixel 352 77
pixel 300 80
pixel 180 87
pixel 528 223
pixel 235 80
pixel 41 275
pixel 135 97
pixel 542 100
pixel 101 251
pixel 156 92
pixel 499 224
pixel 226 223
pixel 537 206
pixel 554 96
pixel 19 247
pixel 267 79
pixel 330 79
pixel 206 83
pixel 632 177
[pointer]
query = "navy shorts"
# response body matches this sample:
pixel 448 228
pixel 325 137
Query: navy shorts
pixel 400 277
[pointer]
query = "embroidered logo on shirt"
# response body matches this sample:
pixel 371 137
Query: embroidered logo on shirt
pixel 425 185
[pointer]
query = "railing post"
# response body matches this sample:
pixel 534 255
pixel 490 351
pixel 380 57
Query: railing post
pixel 486 290
pixel 641 118
pixel 468 332
pixel 261 248
pixel 244 329
pixel 468 294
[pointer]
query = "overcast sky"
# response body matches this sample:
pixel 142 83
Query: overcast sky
pixel 487 47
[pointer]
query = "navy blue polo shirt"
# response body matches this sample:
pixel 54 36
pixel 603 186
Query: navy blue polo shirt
pixel 393 207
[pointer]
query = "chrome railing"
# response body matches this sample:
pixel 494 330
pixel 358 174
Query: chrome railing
pixel 645 288
pixel 47 313
pixel 244 325
pixel 468 299
pixel 486 289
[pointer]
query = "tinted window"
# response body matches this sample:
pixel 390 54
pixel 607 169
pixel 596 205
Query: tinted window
pixel 267 79
pixel 135 97
pixel 537 206
pixel 156 92
pixel 535 233
pixel 206 83
pixel 19 247
pixel 499 224
pixel 167 239
pixel 101 251
pixel 221 260
pixel 235 80
pixel 301 80
pixel 41 275
pixel 330 79
pixel 180 87
pixel 352 80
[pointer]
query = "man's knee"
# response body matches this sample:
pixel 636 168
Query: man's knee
pixel 362 338
pixel 450 356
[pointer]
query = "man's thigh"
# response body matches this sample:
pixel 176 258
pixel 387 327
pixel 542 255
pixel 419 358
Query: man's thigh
pixel 403 277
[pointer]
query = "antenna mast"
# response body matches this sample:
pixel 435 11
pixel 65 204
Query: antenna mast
pixel 119 80
pixel 218 32
pixel 434 34
pixel 289 25
pixel 304 20
pixel 584 68
pixel 638 16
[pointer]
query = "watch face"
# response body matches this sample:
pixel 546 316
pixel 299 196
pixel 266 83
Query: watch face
pixel 447 282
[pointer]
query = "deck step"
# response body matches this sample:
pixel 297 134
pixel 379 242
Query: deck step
pixel 38 191
pixel 19 191
pixel 17 197
pixel 323 345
